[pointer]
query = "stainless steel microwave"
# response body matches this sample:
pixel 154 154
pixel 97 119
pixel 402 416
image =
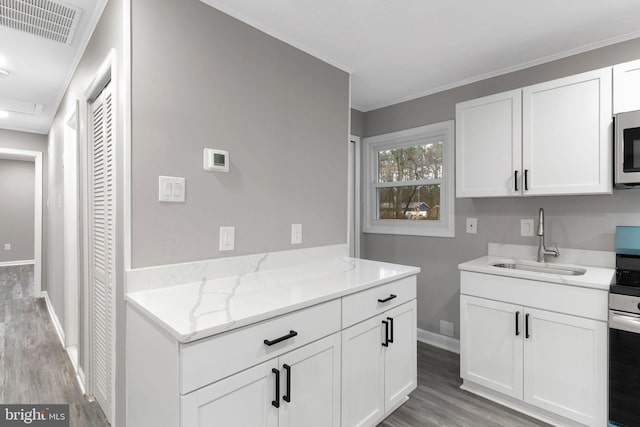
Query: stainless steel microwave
pixel 627 149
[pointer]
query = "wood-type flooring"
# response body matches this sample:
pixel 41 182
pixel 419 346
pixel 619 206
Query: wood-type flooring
pixel 34 368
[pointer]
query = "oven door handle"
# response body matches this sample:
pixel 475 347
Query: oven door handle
pixel 624 322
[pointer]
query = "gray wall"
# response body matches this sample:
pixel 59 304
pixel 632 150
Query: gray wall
pixel 203 79
pixel 583 222
pixel 32 142
pixel 109 34
pixel 357 122
pixel 17 192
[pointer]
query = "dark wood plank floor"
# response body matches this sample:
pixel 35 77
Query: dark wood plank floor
pixel 34 368
pixel 439 402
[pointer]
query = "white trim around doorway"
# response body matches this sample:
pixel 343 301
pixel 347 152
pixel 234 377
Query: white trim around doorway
pixel 34 156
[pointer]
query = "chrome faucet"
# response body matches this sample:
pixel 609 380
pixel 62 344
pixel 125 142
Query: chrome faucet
pixel 542 249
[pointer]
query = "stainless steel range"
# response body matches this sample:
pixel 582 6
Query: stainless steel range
pixel 624 331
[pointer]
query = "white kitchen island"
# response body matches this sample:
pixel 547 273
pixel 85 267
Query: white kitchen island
pixel 325 342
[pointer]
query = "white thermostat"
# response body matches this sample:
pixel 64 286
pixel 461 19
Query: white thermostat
pixel 215 160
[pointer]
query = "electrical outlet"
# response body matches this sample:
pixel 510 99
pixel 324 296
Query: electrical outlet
pixel 446 328
pixel 296 234
pixel 526 227
pixel 227 238
pixel 472 225
pixel 7 246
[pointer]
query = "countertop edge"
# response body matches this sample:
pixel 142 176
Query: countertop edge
pixel 474 267
pixel 232 325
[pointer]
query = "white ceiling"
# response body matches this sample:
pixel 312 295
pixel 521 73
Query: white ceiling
pixel 395 49
pixel 40 69
pixel 402 49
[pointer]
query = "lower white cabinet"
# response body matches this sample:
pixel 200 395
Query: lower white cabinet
pixel 379 365
pixel 345 362
pixel 299 388
pixel 552 361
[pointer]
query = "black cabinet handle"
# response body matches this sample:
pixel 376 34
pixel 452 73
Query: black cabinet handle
pixel 526 325
pixel 291 334
pixel 287 396
pixel 390 319
pixel 276 402
pixel 389 298
pixel 386 333
pixel 516 180
pixel 517 326
pixel 526 180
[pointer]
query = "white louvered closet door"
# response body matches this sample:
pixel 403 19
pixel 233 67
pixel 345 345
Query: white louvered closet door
pixel 102 245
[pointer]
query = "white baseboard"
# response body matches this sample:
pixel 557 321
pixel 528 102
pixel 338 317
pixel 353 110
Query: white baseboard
pixel 440 341
pixel 12 263
pixel 54 318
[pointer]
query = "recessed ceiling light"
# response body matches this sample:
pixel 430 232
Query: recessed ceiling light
pixel 4 114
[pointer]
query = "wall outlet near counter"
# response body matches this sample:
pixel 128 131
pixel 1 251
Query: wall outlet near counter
pixel 446 328
pixel 227 238
pixel 296 234
pixel 472 225
pixel 526 227
pixel 7 246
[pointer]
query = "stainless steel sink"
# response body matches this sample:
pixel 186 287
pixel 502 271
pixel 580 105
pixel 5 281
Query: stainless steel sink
pixel 543 268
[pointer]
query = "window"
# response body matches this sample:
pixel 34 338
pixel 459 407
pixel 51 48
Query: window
pixel 409 176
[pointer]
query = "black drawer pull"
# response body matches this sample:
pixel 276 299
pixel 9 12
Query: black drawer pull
pixel 287 396
pixel 526 180
pixel 276 402
pixel 390 319
pixel 386 333
pixel 291 334
pixel 526 326
pixel 516 180
pixel 517 326
pixel 389 298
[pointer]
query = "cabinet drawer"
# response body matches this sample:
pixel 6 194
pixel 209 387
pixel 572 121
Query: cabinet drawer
pixel 208 360
pixel 366 304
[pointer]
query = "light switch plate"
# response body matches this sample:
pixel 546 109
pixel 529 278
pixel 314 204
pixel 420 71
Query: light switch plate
pixel 171 189
pixel 296 234
pixel 227 238
pixel 7 246
pixel 526 227
pixel 472 225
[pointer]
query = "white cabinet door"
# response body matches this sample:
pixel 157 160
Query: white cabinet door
pixel 491 344
pixel 488 146
pixel 363 373
pixel 565 360
pixel 626 87
pixel 244 399
pixel 310 385
pixel 400 374
pixel 567 135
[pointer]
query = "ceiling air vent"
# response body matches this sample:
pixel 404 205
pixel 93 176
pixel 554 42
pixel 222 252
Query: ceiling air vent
pixel 42 18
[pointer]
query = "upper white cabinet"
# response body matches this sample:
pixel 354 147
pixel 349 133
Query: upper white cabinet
pixel 626 87
pixel 488 145
pixel 566 135
pixel 548 139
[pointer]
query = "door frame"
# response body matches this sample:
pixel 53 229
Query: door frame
pixel 105 74
pixel 36 157
pixel 354 230
pixel 71 288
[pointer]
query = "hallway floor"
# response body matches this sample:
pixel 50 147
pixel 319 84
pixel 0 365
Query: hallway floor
pixel 34 368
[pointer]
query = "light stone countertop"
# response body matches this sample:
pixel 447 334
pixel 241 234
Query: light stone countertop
pixel 595 277
pixel 192 311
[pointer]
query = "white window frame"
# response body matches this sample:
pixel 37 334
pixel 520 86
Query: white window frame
pixel 445 227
